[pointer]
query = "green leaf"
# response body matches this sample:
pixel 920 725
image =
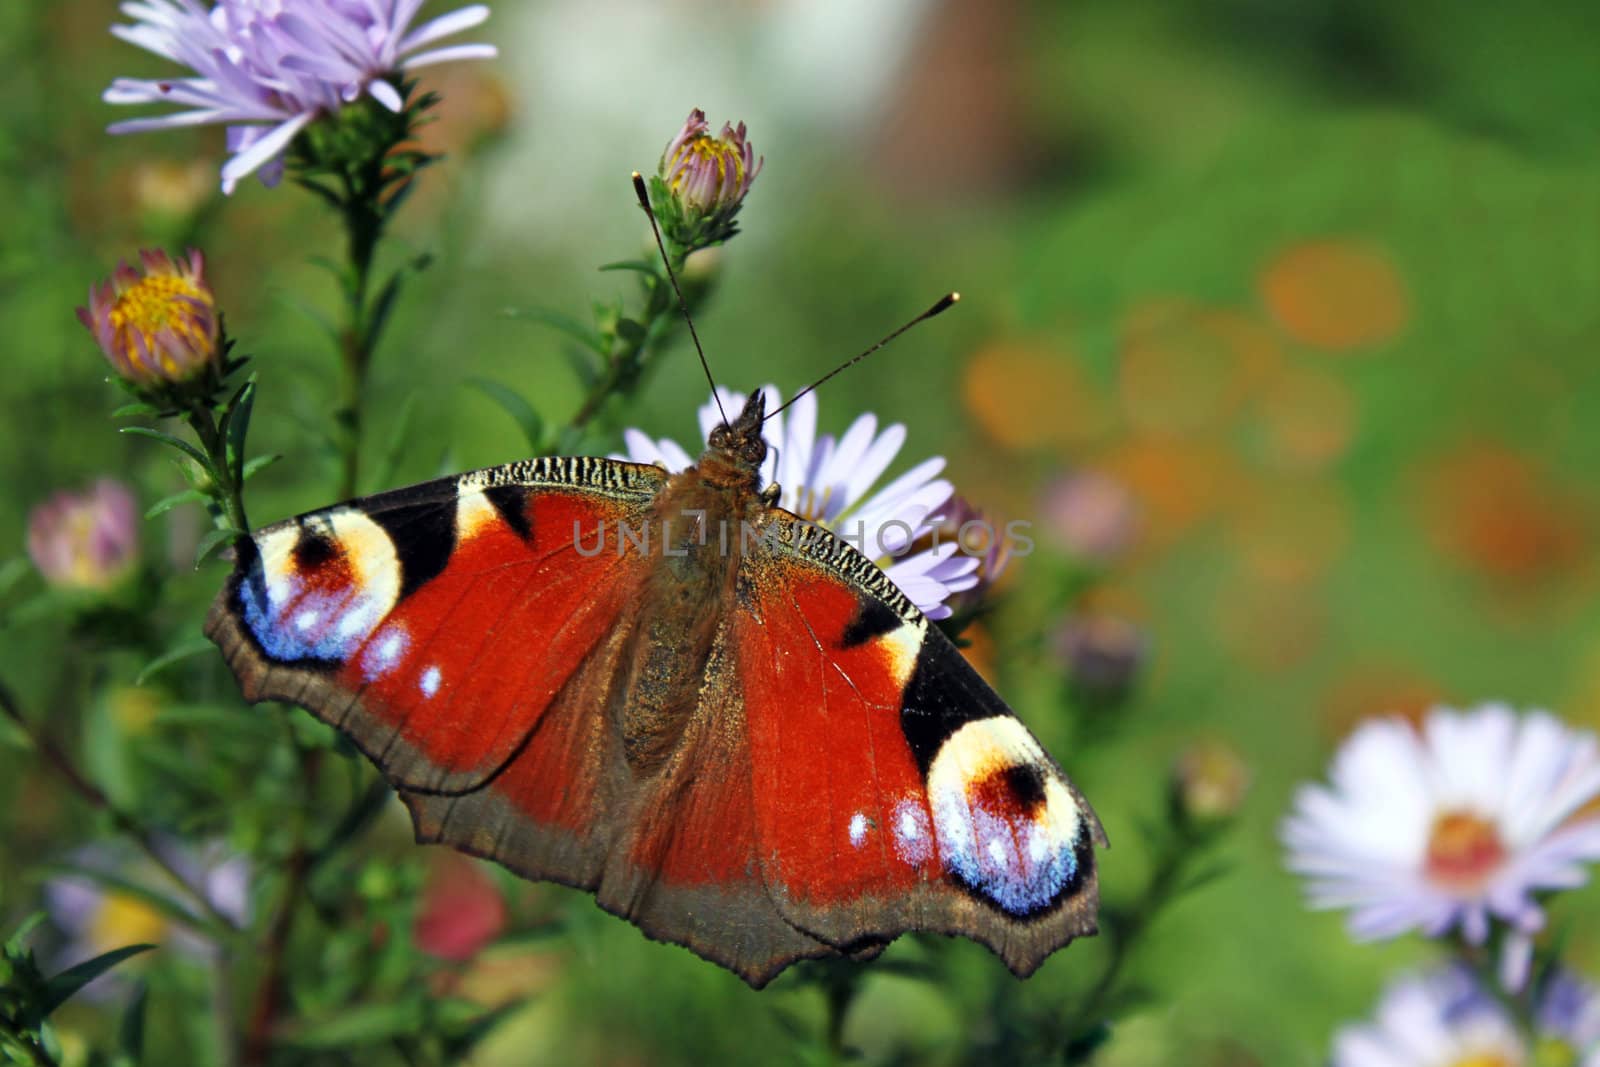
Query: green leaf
pixel 130 1033
pixel 136 408
pixel 166 504
pixel 24 928
pixel 515 405
pixel 399 436
pixel 222 535
pixel 236 424
pixel 365 1024
pixel 184 651
pixel 13 571
pixel 259 464
pixel 631 331
pixel 383 304
pixel 13 735
pixel 643 266
pixel 175 442
pixel 59 990
pixel 584 335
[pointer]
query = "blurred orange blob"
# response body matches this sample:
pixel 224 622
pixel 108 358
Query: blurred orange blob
pixel 1377 690
pixel 1336 294
pixel 1289 532
pixel 1184 368
pixel 1269 627
pixel 477 109
pixel 1309 419
pixel 1177 483
pixel 978 646
pixel 1498 512
pixel 1031 396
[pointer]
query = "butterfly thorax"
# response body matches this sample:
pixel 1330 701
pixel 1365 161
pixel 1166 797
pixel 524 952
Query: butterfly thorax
pixel 706 518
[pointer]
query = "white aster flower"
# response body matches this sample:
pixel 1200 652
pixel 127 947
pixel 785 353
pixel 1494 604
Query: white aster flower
pixel 1440 1019
pixel 829 481
pixel 267 68
pixel 1569 1021
pixel 1451 827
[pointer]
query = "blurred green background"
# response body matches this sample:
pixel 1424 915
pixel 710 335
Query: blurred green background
pixel 1318 282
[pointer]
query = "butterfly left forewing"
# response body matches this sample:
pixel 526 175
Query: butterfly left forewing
pixel 456 633
pixel 893 790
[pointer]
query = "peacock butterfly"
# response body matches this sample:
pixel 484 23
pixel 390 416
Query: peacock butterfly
pixel 722 720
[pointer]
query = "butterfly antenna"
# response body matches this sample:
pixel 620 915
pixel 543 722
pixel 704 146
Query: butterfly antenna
pixel 683 305
pixel 944 304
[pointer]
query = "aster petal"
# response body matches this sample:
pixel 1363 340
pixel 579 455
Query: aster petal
pixel 386 94
pixel 870 467
pixel 450 55
pixel 167 122
pixel 264 149
pixel 796 462
pixel 444 26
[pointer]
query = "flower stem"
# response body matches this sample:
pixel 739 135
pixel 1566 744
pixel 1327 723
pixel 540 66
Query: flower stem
pixel 627 358
pixel 125 823
pixel 363 226
pixel 229 496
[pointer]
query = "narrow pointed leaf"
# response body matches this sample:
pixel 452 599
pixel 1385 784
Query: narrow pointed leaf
pixel 61 987
pixel 259 464
pixel 175 442
pixel 166 504
pixel 514 404
pixel 223 535
pixel 643 266
pixel 584 335
pixel 177 655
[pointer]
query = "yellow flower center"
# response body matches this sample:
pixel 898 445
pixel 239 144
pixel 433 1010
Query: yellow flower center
pixel 161 302
pixel 1464 851
pixel 124 920
pixel 154 302
pixel 707 149
pixel 1486 1059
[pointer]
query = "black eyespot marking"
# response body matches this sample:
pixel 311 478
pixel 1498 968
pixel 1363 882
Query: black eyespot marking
pixel 1026 784
pixel 313 550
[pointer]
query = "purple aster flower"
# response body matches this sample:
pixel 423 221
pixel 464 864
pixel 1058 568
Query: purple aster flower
pixel 1438 1019
pixel 268 68
pixel 829 481
pixel 1455 826
pixel 86 541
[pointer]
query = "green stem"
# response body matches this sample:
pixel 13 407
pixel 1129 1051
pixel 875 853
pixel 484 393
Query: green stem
pixel 363 226
pixel 230 494
pixel 1126 929
pixel 126 824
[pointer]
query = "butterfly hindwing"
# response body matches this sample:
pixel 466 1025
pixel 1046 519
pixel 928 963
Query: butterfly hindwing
pixel 934 807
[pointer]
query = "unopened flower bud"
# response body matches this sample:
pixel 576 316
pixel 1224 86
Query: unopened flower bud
pixel 157 325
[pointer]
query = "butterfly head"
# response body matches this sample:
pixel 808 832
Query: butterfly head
pixel 738 445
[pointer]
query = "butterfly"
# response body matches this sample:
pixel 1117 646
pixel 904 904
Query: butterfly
pixel 723 721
